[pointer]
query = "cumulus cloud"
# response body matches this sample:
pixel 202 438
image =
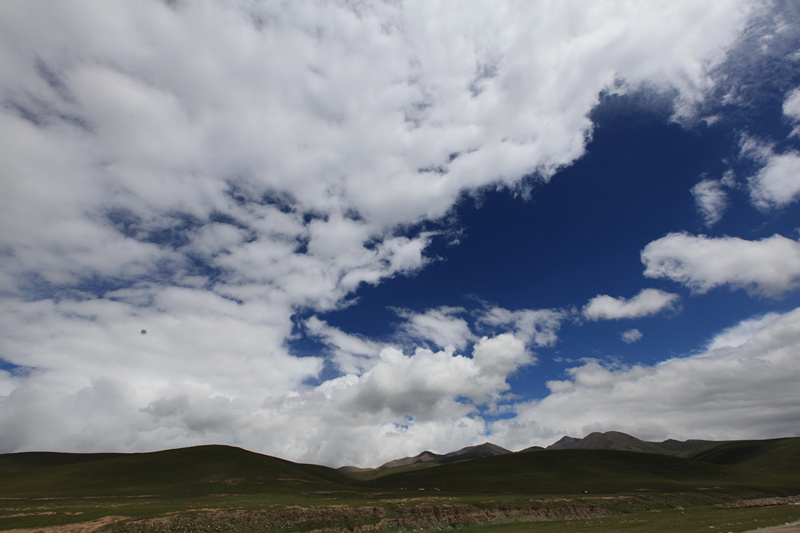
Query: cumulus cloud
pixel 647 302
pixel 351 353
pixel 630 336
pixel 403 402
pixel 791 108
pixel 441 326
pixel 205 170
pixel 745 389
pixel 777 184
pixel 420 385
pixel 767 267
pixel 711 200
pixel 739 334
pixel 536 326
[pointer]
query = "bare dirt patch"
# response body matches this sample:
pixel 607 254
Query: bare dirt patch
pixel 78 527
pixel 793 527
pixel 763 502
pixel 358 519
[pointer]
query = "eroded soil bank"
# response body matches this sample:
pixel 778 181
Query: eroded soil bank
pixel 401 515
pixel 358 519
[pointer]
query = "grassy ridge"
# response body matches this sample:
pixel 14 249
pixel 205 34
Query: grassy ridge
pixel 575 471
pixel 774 455
pixel 16 462
pixel 184 472
pixel 223 469
pixel 38 489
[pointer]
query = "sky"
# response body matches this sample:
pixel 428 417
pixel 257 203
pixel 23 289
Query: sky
pixel 344 232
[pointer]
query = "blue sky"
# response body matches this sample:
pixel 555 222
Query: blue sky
pixel 343 234
pixel 581 235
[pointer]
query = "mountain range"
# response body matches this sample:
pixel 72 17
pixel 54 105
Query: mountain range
pixel 428 458
pixel 602 467
pixel 601 461
pixel 610 440
pixel 615 440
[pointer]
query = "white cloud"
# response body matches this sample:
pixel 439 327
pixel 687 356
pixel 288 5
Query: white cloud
pixel 402 404
pixel 777 184
pixel 647 302
pixel 441 326
pixel 630 336
pixel 727 392
pixel 351 353
pixel 711 200
pixel 537 326
pixel 422 385
pixel 206 170
pixel 768 267
pixel 739 334
pixel 791 108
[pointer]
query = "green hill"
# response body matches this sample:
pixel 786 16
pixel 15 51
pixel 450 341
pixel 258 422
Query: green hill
pixel 205 470
pixel 233 489
pixel 182 472
pixel 14 462
pixel 573 471
pixel 774 455
pixel 615 440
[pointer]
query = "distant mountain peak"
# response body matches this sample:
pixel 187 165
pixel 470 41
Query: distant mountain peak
pixel 610 440
pixel 487 449
pixel 564 442
pixel 616 440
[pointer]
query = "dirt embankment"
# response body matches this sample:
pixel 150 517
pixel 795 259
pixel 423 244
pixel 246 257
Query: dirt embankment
pixel 78 527
pixel 358 520
pixel 793 527
pixel 763 502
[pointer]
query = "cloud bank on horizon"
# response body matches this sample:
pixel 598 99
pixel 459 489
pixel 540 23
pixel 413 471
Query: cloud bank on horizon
pixel 227 176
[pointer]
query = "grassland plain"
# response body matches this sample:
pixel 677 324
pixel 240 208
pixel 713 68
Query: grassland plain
pixel 735 486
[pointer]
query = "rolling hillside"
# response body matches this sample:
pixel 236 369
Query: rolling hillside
pixel 577 471
pixel 615 440
pixel 482 469
pixel 187 471
pixel 774 455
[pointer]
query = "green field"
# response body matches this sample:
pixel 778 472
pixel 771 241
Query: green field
pixel 735 486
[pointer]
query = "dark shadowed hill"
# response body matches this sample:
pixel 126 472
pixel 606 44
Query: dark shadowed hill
pixel 578 470
pixel 745 467
pixel 486 449
pixel 428 459
pixel 615 440
pixel 773 455
pixel 186 471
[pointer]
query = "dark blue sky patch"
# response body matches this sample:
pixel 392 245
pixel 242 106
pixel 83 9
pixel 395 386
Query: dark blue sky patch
pixel 583 228
pixel 753 81
pixel 198 266
pixel 174 231
pixel 95 286
pixel 581 235
pixel 224 218
pixel 282 201
pixel 311 216
pixel 125 221
pixel 15 370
